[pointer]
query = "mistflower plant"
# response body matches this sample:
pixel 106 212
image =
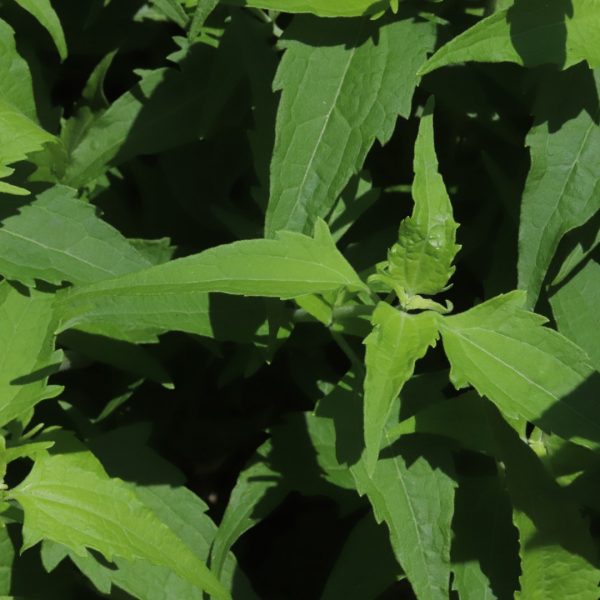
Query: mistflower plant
pixel 246 351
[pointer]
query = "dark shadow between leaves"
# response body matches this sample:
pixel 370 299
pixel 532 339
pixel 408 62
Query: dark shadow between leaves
pixel 584 403
pixel 548 18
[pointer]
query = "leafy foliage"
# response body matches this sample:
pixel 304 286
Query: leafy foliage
pixel 222 291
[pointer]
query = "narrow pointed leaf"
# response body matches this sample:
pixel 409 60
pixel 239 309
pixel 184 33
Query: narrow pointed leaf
pixel 344 83
pixel 421 261
pixel 322 8
pixel 59 237
pixel 398 340
pixel 527 370
pixel 562 191
pixel 292 265
pixel 69 499
pixel 42 10
pixel 530 33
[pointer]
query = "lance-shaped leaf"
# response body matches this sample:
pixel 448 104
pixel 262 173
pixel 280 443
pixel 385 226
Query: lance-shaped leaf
pixel 69 499
pixel 398 340
pixel 42 10
pixel 258 490
pixel 292 265
pixel 421 261
pixel 412 490
pixel 530 33
pixel 59 237
pixel 27 354
pixel 527 370
pixel 322 8
pixel 20 133
pixel 575 308
pixel 344 83
pixel 562 190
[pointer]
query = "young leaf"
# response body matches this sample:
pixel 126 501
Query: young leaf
pixel 20 133
pixel 529 33
pixel 398 340
pixel 344 83
pixel 292 265
pixel 26 352
pixel 527 370
pixel 42 10
pixel 561 192
pixel 69 499
pixel 322 8
pixel 421 261
pixel 58 237
pixel 575 308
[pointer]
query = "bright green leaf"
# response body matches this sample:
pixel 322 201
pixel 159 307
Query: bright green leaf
pixel 527 370
pixel 530 33
pixel 69 499
pixel 27 352
pixel 42 10
pixel 344 83
pixel 292 265
pixel 421 261
pixel 59 237
pixel 398 340
pixel 322 8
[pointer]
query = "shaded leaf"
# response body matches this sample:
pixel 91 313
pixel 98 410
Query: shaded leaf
pixel 42 10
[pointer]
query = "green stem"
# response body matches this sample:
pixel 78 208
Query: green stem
pixel 340 340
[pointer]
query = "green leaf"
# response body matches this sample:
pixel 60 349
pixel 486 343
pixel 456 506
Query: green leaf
pixel 344 83
pixel 69 499
pixel 58 237
pixel 529 33
pixel 558 554
pixel 202 11
pixel 322 8
pixel 367 550
pixel 411 490
pixel 527 370
pixel 173 10
pixel 398 340
pixel 575 308
pixel 20 133
pixel 421 261
pixel 27 352
pixel 168 107
pixel 562 189
pixel 7 556
pixel 292 265
pixel 42 10
pixel 256 493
